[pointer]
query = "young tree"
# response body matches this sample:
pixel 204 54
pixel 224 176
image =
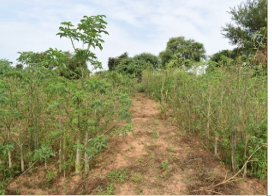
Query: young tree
pixel 89 33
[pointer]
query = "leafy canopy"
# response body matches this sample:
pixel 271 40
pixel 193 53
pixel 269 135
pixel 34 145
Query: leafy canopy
pixel 248 20
pixel 183 52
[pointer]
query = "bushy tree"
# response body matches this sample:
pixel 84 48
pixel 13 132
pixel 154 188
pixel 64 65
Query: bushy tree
pixel 133 66
pixel 183 52
pixel 5 66
pixel 148 59
pixel 248 30
pixel 113 62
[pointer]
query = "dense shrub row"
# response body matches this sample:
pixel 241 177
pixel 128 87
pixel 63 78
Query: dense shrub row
pixel 227 108
pixel 46 117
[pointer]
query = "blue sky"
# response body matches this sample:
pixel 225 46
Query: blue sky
pixel 135 26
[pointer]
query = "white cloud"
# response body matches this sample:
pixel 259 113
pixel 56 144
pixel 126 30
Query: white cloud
pixel 134 26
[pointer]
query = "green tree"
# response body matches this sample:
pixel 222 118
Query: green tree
pixel 31 59
pixel 148 59
pixel 248 30
pixel 113 62
pixel 183 52
pixel 89 33
pixel 133 66
pixel 5 66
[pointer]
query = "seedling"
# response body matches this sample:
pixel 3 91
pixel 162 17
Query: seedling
pixel 165 165
pixel 137 177
pixel 118 175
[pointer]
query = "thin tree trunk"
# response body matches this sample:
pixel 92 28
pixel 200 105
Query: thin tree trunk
pixel 215 145
pixel 60 156
pixel 9 153
pixel 78 158
pixel 22 159
pixel 9 159
pixel 64 154
pixel 245 154
pixel 86 157
pixel 232 140
pixel 208 117
pixel 189 111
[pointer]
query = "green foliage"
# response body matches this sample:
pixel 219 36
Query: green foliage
pixel 89 32
pixel 249 29
pixel 119 175
pixel 2 190
pixel 134 66
pixel 227 107
pixel 165 165
pixel 149 59
pixel 43 114
pixel 109 190
pixel 181 52
pixel 5 66
pixel 45 152
pixel 113 62
pixel 31 59
pixel 137 177
pixel 51 176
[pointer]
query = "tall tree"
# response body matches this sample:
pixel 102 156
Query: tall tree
pixel 248 29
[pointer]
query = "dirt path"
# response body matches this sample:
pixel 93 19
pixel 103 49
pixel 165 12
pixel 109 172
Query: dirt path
pixel 159 159
pixel 156 159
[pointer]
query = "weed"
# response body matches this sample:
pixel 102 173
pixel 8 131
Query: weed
pixel 155 122
pixel 173 158
pixel 171 148
pixel 138 191
pixel 140 159
pixel 165 165
pixel 51 176
pixel 2 190
pixel 154 134
pixel 117 175
pixel 109 190
pixel 152 156
pixel 145 145
pixel 54 189
pixel 27 185
pixel 132 147
pixel 137 177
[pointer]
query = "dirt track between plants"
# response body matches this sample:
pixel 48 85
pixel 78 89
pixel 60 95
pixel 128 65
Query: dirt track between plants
pixel 157 158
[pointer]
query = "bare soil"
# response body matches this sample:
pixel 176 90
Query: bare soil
pixel 157 158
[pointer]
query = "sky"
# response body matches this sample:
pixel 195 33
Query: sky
pixel 134 26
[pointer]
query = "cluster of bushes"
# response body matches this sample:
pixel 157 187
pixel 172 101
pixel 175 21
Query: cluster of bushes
pixel 133 66
pixel 179 52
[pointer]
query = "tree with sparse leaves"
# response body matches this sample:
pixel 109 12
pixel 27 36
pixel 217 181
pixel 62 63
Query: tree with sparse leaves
pixel 89 33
